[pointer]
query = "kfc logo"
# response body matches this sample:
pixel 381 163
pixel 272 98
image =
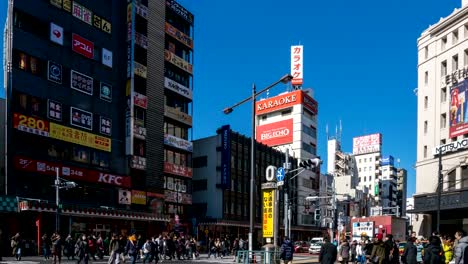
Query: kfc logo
pixel 110 179
pixel 56 33
pixel 82 46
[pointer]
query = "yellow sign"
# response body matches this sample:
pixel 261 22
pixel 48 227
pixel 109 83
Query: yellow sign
pixel 57 3
pixel 268 212
pixel 79 137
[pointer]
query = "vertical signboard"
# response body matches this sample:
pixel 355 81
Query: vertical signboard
pixel 226 157
pixel 268 205
pixel 458 109
pixel 297 64
pixel 130 72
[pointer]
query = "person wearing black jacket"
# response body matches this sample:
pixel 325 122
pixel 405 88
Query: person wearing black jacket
pixel 287 251
pixel 410 253
pixel 433 253
pixel 392 255
pixel 328 252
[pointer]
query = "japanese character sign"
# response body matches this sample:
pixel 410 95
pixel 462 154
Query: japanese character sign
pixel 297 64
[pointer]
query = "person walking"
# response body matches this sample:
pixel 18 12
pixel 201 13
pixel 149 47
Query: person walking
pixel 419 247
pixel 46 246
pixel 287 251
pixel 392 253
pixel 328 252
pixel 433 254
pixel 360 253
pixel 114 250
pixel 131 249
pixel 447 246
pixel 82 250
pixel 68 250
pixel 378 255
pixel 147 251
pixel 461 244
pixel 410 252
pixel 352 251
pixel 57 247
pixel 343 252
pixel 16 246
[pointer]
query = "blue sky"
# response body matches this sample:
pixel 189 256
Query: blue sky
pixel 360 57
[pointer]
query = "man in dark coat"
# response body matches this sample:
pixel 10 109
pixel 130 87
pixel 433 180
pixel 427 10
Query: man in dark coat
pixel 433 254
pixel 287 250
pixel 410 253
pixel 328 252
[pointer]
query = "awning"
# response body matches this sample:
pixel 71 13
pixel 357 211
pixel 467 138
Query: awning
pixel 76 210
pixel 257 225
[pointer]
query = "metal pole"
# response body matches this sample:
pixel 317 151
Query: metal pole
pixel 439 191
pixel 286 202
pixel 286 212
pixel 57 200
pixel 276 219
pixel 289 221
pixel 252 173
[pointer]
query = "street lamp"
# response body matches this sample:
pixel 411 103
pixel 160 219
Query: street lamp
pixel 285 79
pixel 60 184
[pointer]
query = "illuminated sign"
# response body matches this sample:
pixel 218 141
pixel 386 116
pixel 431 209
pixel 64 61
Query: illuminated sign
pixel 79 137
pixel 178 61
pixel 179 35
pixel 367 144
pixel 177 115
pixel 180 10
pixel 297 64
pixel 177 170
pixel 268 212
pixel 81 82
pixel 178 142
pixel 140 69
pixel 178 88
pixel 82 13
pixel 274 134
pixel 54 110
pixel 81 118
pixel 105 125
pixel 31 125
pixel 82 46
pixel 138 163
pixel 54 72
pixel 106 92
pixel 140 100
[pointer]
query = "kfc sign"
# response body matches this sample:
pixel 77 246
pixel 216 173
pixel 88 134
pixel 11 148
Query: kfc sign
pixel 275 134
pixel 367 144
pixel 82 46
pixel 113 179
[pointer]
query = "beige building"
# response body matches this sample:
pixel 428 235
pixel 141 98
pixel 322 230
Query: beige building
pixel 442 124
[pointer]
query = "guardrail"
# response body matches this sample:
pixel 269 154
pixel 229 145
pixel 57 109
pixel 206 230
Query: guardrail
pixel 258 256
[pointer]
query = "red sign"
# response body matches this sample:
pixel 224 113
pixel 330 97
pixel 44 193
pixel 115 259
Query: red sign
pixel 275 134
pixel 278 102
pixel 140 100
pixel 72 173
pixel 82 46
pixel 177 169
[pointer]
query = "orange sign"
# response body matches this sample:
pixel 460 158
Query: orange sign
pixel 79 137
pixel 178 61
pixel 31 124
pixel 274 134
pixel 177 34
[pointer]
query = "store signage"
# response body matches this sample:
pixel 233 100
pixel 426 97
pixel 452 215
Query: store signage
pixel 178 88
pixel 107 57
pixel 178 142
pixel 178 61
pixel 226 157
pixel 367 144
pixel 82 13
pixel 138 197
pixel 450 147
pixel 180 10
pixel 54 110
pixel 363 229
pixel 176 114
pixel 68 172
pixel 179 35
pixel 141 40
pixel 81 82
pixel 177 170
pixel 56 3
pixel 56 33
pixel 309 103
pixel 274 134
pixel 81 118
pixel 141 10
pixel 138 163
pixel 297 64
pixel 458 112
pixel 140 69
pixel 125 197
pixel 140 100
pixel 82 46
pixel 105 92
pixel 79 137
pixel 139 132
pixel 102 24
pixel 31 125
pixel 278 102
pixel 54 72
pixel 387 160
pixel 105 125
pixel 456 76
pixel 268 212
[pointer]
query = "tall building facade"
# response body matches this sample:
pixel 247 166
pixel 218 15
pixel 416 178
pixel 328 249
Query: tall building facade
pixel 289 121
pixel 442 124
pixel 402 183
pixel 94 111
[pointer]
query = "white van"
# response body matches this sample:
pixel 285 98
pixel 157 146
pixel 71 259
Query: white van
pixel 316 240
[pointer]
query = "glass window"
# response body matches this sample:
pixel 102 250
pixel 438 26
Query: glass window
pixel 443 120
pixel 443 68
pixel 426 52
pixel 443 94
pixel 426 101
pixel 454 63
pixel 455 37
pixel 443 43
pixel 425 152
pixel 426 78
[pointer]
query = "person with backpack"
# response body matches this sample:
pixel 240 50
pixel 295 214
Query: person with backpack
pixel 16 246
pixel 287 251
pixel 461 244
pixel 447 246
pixel 433 253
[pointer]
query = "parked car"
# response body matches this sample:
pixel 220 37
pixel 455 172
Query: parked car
pixel 301 246
pixel 315 248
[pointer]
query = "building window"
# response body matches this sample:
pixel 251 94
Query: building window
pixel 453 139
pixel 443 120
pixel 365 168
pixel 286 112
pixel 465 57
pixel 464 177
pixel 455 37
pixel 443 68
pixel 426 52
pixel 200 162
pixel 425 127
pixel 425 152
pixel 443 43
pixel 451 180
pixel 365 159
pixel 365 178
pixel 359 169
pixel 454 63
pixel 443 95
pixel 199 185
pixel 442 141
pixel 426 78
pixel 426 102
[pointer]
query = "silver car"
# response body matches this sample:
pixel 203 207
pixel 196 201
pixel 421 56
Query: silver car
pixel 315 248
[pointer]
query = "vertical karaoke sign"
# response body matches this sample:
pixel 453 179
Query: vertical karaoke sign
pixel 129 86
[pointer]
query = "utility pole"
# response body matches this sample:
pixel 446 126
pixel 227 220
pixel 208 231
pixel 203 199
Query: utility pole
pixel 286 202
pixel 57 200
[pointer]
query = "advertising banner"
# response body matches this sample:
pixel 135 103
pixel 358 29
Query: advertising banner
pixel 387 160
pixel 177 115
pixel 106 92
pixel 79 137
pixel 458 109
pixel 125 197
pixel 141 40
pixel 274 134
pixel 177 170
pixel 54 72
pixel 82 13
pixel 56 33
pixel 140 69
pixel 138 197
pixel 82 46
pixel 226 157
pixel 179 35
pixel 81 118
pixel 71 173
pixel 361 229
pixel 178 61
pixel 102 24
pixel 31 125
pixel 180 10
pixel 107 57
pixel 139 131
pixel 367 144
pixel 178 88
pixel 278 102
pixel 81 82
pixel 141 10
pixel 138 163
pixel 297 64
pixel 140 100
pixel 129 88
pixel 178 142
pixel 105 125
pixel 268 212
pixel 54 110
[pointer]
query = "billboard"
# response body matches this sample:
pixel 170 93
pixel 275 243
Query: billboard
pixel 82 46
pixel 297 64
pixel 458 110
pixel 226 157
pixel 274 134
pixel 179 143
pixel 362 229
pixel 387 160
pixel 367 144
pixel 268 214
pixel 79 137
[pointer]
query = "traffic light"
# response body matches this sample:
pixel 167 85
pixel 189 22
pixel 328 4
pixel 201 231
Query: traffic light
pixel 317 215
pixel 311 163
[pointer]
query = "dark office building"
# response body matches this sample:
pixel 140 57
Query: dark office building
pixel 86 99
